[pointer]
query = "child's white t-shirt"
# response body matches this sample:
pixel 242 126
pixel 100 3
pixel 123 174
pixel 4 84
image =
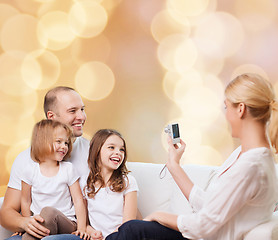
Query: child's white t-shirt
pixel 106 208
pixel 51 191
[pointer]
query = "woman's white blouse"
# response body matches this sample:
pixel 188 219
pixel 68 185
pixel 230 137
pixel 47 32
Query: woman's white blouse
pixel 241 195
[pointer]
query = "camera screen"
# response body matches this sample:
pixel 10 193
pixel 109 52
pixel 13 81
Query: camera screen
pixel 176 133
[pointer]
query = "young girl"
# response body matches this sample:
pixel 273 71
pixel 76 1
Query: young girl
pixel 243 193
pixel 50 187
pixel 110 191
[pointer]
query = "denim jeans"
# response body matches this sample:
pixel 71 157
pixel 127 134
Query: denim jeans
pixel 51 237
pixel 143 230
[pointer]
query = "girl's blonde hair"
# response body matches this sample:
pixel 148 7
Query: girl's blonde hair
pixel 43 139
pixel 117 180
pixel 259 97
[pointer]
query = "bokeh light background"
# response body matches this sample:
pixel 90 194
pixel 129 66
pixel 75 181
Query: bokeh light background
pixel 138 65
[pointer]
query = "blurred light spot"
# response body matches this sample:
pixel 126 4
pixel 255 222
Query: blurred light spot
pixel 186 56
pixel 40 70
pixel 11 81
pixel 188 7
pixel 189 79
pixel 93 49
pixel 256 15
pixel 201 105
pixel 110 5
pixel 87 18
pixel 214 83
pixel 203 155
pixel 248 68
pixel 167 50
pixel 209 64
pixel 20 33
pixel 94 80
pixel 14 150
pixel 18 107
pixel 164 25
pixel 219 35
pixel 54 31
pixel 6 12
pixel 170 81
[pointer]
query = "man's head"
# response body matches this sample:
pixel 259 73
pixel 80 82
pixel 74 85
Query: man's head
pixel 65 105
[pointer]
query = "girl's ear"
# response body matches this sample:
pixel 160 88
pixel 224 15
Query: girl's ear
pixel 241 109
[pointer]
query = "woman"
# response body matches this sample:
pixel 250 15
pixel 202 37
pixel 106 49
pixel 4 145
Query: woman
pixel 243 192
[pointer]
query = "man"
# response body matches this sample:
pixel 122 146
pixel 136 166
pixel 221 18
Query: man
pixel 63 104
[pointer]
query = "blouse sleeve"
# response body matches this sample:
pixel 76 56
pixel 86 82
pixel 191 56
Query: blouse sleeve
pixel 237 186
pixel 132 185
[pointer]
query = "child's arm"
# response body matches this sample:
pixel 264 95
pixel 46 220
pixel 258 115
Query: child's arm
pixel 80 210
pixel 130 206
pixel 25 199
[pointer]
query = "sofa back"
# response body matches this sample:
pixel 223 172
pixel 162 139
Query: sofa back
pixel 162 194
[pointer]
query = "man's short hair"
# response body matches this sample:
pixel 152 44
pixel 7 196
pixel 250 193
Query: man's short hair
pixel 50 98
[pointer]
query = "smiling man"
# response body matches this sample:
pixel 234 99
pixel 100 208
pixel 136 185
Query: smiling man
pixel 63 104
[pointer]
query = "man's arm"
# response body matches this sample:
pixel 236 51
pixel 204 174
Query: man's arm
pixel 11 218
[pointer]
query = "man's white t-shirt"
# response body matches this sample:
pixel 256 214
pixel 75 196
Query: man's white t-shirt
pixel 51 191
pixel 79 158
pixel 106 208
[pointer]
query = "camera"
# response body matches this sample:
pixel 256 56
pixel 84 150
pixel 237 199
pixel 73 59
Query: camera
pixel 173 131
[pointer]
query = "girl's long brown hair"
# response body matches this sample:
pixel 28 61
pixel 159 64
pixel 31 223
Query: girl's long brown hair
pixel 117 180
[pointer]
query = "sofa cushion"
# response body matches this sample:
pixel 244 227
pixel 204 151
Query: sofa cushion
pixel 154 198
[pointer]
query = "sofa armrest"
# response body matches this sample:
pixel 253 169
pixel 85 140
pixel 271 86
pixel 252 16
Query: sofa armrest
pixel 4 233
pixel 265 231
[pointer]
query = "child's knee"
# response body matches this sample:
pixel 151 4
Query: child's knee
pixel 48 213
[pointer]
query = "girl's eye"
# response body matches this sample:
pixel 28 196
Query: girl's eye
pixel 66 143
pixel 58 141
pixel 122 150
pixel 111 147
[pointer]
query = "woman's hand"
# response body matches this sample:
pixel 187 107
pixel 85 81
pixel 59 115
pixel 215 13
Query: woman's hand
pixel 174 151
pixel 166 219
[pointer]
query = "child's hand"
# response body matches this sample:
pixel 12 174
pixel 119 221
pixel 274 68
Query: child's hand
pixel 94 234
pixel 82 234
pixel 17 233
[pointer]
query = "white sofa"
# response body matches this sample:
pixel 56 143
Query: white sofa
pixel 158 194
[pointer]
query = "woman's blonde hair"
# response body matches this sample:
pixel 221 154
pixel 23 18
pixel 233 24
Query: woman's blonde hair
pixel 259 97
pixel 117 180
pixel 43 139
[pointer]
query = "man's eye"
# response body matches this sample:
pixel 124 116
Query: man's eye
pixel 58 141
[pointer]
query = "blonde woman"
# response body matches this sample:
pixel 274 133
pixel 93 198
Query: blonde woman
pixel 243 192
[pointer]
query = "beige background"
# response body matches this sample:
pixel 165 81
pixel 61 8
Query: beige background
pixel 138 65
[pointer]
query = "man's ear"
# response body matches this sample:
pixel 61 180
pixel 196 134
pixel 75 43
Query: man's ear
pixel 241 108
pixel 50 115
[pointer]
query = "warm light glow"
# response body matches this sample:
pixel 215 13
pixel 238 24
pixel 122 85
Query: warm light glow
pixel 94 80
pixel 54 31
pixel 185 56
pixel 14 150
pixel 87 18
pixel 6 12
pixel 249 68
pixel 19 33
pixel 92 49
pixel 164 25
pixel 40 70
pixel 256 15
pixel 219 35
pixel 188 7
pixel 11 81
pixel 167 50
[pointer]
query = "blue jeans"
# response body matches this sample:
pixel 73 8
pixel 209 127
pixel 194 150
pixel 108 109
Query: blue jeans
pixel 143 230
pixel 51 237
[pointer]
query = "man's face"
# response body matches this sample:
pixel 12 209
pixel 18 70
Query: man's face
pixel 70 110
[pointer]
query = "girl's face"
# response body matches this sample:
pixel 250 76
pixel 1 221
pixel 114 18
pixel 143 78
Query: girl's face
pixel 112 153
pixel 232 117
pixel 61 144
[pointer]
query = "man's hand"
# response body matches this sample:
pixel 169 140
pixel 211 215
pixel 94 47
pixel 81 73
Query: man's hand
pixel 32 225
